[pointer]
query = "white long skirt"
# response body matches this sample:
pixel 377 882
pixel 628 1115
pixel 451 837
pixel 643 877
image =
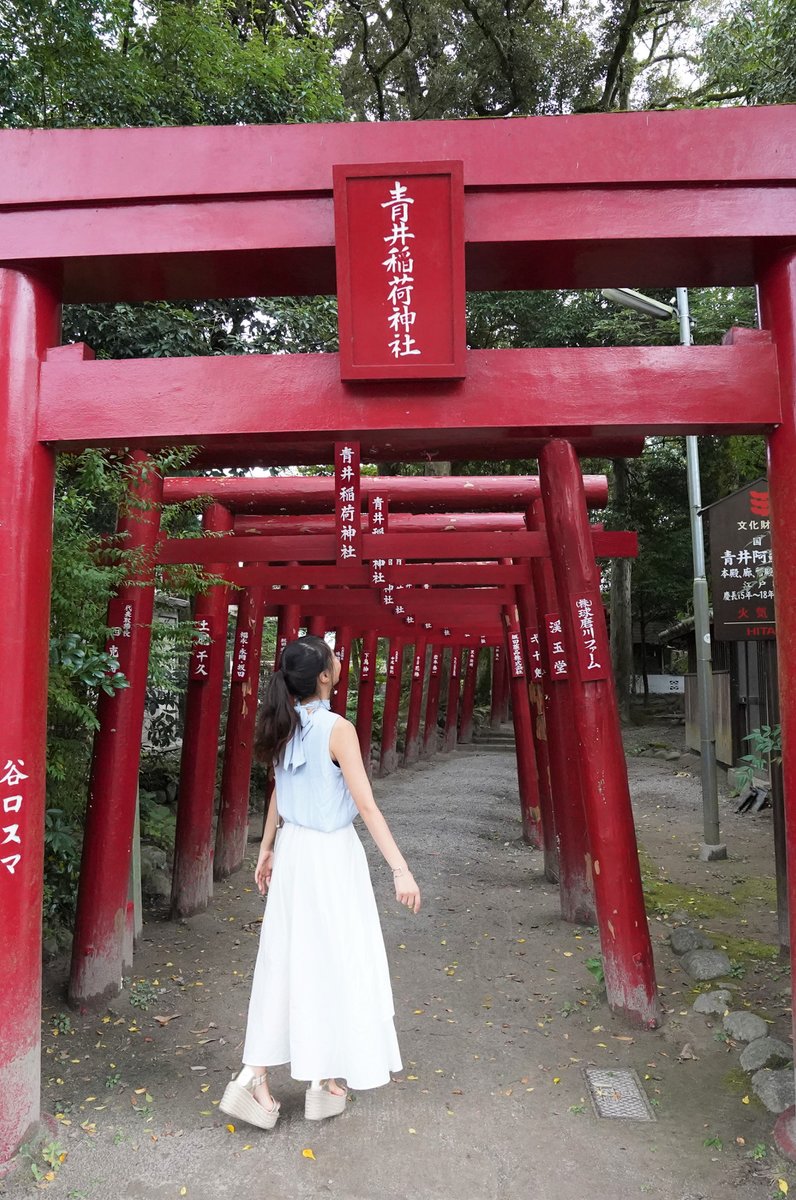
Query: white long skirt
pixel 321 996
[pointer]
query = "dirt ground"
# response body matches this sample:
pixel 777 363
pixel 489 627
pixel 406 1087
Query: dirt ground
pixel 497 1016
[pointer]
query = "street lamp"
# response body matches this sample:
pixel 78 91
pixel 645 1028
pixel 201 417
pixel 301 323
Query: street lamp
pixel 712 848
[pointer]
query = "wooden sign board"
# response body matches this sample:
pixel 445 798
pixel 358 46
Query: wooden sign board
pixel 399 236
pixel 742 572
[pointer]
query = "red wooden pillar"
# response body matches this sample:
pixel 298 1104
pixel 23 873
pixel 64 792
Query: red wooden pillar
pixel 388 759
pixel 342 648
pixel 192 881
pixel 529 634
pixel 233 814
pixel 412 737
pixel 498 687
pixel 624 935
pixel 452 709
pixel 468 694
pixel 288 623
pixel 367 691
pixel 778 303
pixel 29 324
pixel 505 699
pixel 574 856
pixel 98 943
pixel 316 626
pixel 527 780
pixel 430 740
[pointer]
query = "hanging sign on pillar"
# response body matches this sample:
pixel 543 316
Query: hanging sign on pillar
pixel 515 655
pixel 378 514
pixel 399 246
pixel 534 654
pixel 348 521
pixel 591 644
pixel 202 651
pixel 555 647
pixel 365 666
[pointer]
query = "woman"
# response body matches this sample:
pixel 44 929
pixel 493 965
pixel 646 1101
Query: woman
pixel 321 996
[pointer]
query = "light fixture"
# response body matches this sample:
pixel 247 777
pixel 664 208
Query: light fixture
pixel 629 298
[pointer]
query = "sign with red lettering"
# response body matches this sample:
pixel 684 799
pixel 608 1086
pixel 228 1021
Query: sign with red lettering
pixel 556 653
pixel 591 643
pixel 348 519
pixel 203 646
pixel 399 243
pixel 742 570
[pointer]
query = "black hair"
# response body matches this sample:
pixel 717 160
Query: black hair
pixel 297 678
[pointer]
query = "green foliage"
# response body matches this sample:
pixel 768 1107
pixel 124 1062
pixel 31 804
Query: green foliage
pixel 595 967
pixel 749 54
pixel 159 62
pixel 766 748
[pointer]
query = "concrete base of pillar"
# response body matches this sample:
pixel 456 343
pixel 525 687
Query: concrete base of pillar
pixel 712 853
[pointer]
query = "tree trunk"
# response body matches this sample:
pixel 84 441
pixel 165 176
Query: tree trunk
pixel 621 609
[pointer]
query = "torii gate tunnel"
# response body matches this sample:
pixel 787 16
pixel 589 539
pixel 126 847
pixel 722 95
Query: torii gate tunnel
pixel 398 219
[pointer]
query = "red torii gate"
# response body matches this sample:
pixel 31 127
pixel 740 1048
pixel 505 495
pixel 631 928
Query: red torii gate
pixel 588 201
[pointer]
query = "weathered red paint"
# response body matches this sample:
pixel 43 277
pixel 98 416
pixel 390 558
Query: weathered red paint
pixel 367 692
pixel 342 648
pixel 470 669
pixel 430 724
pixel 292 408
pixel 778 304
pixel 29 323
pixel 192 880
pixel 233 810
pixel 452 705
pixel 624 936
pixel 418 675
pixel 422 494
pixel 288 624
pixel 388 759
pixel 98 942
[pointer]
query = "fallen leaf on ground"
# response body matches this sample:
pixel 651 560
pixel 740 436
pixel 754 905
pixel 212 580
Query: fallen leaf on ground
pixel 687 1054
pixel 308 1154
pixel 165 1020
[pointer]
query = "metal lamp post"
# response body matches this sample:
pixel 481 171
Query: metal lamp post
pixel 712 848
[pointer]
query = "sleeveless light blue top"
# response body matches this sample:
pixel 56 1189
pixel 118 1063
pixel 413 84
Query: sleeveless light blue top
pixel 310 788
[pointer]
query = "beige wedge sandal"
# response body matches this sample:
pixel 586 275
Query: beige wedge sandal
pixel 238 1101
pixel 321 1103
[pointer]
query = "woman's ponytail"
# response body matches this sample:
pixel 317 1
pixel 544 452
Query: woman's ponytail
pixel 297 678
pixel 276 721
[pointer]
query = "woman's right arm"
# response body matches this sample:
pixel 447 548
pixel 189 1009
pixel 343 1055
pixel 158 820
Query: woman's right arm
pixel 344 745
pixel 265 859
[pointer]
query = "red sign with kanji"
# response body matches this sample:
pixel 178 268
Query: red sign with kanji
pixel 556 654
pixel 348 520
pixel 591 642
pixel 399 236
pixel 202 651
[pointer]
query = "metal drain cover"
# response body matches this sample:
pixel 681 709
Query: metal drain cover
pixel 617 1094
